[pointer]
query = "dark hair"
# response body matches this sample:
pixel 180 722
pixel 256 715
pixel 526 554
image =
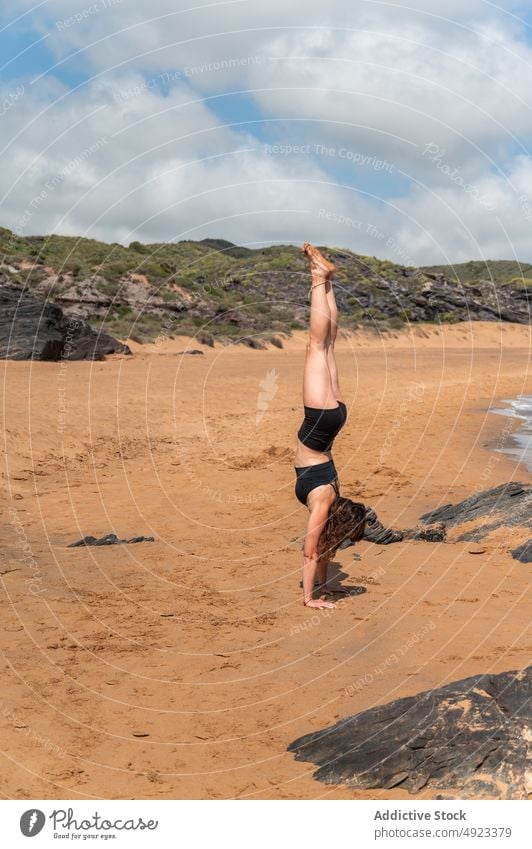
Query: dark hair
pixel 347 520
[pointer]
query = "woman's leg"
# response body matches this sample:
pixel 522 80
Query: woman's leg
pixel 331 360
pixel 318 390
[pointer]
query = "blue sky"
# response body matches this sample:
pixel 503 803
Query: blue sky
pixel 399 130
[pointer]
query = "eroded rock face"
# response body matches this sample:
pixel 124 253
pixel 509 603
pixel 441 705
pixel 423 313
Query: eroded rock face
pixel 509 504
pixel 471 738
pixel 36 330
pixel 29 329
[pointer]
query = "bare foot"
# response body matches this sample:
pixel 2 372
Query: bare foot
pixel 319 266
pixel 319 604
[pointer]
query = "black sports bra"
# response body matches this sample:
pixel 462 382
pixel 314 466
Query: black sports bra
pixel 320 427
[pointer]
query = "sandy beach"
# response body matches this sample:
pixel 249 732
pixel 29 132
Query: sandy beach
pixel 183 667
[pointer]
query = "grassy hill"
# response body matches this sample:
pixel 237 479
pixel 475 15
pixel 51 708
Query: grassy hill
pixel 501 271
pixel 220 290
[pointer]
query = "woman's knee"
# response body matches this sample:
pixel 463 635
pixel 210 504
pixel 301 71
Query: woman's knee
pixel 314 344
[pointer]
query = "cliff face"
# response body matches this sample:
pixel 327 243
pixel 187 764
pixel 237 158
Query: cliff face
pixel 228 291
pixel 34 330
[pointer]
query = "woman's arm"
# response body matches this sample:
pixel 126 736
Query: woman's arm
pixel 316 523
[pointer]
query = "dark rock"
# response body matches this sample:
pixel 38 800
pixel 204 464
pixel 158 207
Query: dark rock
pixel 523 552
pixel 471 737
pixel 85 541
pixel 137 539
pixel 477 534
pixel 192 352
pixel 505 498
pixel 29 329
pixel 81 342
pixel 256 344
pixel 434 533
pixel 109 539
pixel 205 338
pixel 507 505
pixel 37 330
pixel 375 531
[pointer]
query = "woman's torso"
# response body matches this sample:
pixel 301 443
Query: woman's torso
pixel 308 457
pixel 316 432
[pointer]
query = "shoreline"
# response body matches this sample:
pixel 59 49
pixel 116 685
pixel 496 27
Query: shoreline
pixel 199 640
pixel 511 446
pixel 495 434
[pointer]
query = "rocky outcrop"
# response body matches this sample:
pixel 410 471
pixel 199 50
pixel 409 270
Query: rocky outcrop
pixel 523 552
pixel 417 294
pixel 108 539
pixel 134 291
pixel 374 530
pixel 470 738
pixel 434 533
pixel 36 330
pixel 509 504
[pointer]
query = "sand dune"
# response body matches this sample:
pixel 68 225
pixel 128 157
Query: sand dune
pixel 184 667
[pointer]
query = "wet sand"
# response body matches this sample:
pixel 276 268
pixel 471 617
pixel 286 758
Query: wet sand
pixel 183 668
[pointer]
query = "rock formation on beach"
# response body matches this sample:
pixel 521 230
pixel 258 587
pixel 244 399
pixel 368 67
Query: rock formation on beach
pixel 108 539
pixel 31 329
pixel 470 738
pixel 509 504
pixel 523 552
pixel 374 530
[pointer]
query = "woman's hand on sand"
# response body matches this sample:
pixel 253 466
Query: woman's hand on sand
pixel 319 604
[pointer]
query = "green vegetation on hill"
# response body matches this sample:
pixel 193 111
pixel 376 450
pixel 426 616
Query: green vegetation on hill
pixel 502 271
pixel 218 289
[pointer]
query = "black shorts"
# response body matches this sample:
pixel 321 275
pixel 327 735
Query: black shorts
pixel 309 477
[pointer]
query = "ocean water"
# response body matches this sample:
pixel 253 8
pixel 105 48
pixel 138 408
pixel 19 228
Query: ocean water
pixel 519 443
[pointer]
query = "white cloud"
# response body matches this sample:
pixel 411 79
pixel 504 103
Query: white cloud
pixel 396 93
pixel 489 219
pixel 115 159
pixel 122 167
pixel 169 33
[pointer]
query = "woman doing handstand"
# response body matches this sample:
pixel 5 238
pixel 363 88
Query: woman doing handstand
pixel 332 519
